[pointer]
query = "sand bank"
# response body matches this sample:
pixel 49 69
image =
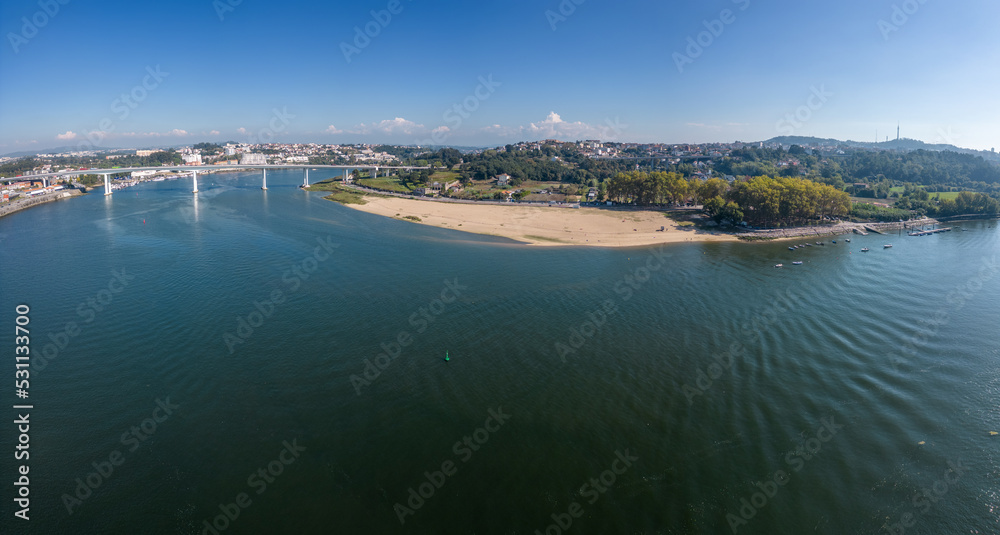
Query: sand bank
pixel 539 225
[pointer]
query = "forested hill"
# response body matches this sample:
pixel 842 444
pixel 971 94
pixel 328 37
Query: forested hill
pixel 929 168
pixel 940 171
pixel 902 144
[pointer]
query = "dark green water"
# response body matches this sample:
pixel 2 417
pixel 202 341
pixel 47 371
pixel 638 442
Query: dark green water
pixel 814 343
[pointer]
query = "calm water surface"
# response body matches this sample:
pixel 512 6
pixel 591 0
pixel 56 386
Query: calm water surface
pixel 857 380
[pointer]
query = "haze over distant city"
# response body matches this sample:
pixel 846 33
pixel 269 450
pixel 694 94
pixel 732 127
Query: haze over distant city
pixel 125 74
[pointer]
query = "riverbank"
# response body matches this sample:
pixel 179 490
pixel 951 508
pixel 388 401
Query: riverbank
pixel 20 204
pixel 541 225
pixel 837 229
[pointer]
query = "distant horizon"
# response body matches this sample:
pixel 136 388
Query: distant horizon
pixel 404 73
pixel 71 148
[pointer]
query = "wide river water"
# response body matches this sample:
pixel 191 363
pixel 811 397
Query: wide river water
pixel 691 388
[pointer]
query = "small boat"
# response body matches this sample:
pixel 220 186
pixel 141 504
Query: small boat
pixel 808 245
pixel 848 240
pixel 791 248
pixel 834 241
pixel 819 243
pixel 779 265
pixel 796 263
pixel 865 250
pixel 887 246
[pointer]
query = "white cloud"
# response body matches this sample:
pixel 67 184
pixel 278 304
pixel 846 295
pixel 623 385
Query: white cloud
pixel 390 126
pixel 333 130
pixel 242 130
pixel 442 129
pixel 498 130
pixel 177 132
pixel 555 127
pixel 716 127
pixel 213 133
pixel 67 136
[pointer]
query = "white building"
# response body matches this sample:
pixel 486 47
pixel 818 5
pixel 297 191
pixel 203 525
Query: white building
pixel 192 159
pixel 253 158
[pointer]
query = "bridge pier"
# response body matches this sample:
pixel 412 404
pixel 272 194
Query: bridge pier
pixel 195 175
pixel 264 187
pixel 347 176
pixel 107 185
pixel 305 179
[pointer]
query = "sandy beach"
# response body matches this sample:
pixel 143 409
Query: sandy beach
pixel 539 225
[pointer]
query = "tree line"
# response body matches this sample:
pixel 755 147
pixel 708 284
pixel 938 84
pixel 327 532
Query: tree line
pixel 761 200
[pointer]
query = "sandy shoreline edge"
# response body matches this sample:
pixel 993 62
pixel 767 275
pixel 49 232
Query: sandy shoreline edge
pixel 541 225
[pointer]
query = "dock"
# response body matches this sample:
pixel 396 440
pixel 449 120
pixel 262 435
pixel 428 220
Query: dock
pixel 929 232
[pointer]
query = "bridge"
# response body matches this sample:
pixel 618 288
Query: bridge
pixel 195 168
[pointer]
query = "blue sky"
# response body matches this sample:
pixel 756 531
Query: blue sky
pixel 595 69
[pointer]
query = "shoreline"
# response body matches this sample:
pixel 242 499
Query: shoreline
pixel 543 225
pixel 18 205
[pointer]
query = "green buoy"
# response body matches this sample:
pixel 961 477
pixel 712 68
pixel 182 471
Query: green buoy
pixel 446 359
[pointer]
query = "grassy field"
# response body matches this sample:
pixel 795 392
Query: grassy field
pixel 386 183
pixel 945 195
pixel 339 193
pixel 444 176
pixel 325 185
